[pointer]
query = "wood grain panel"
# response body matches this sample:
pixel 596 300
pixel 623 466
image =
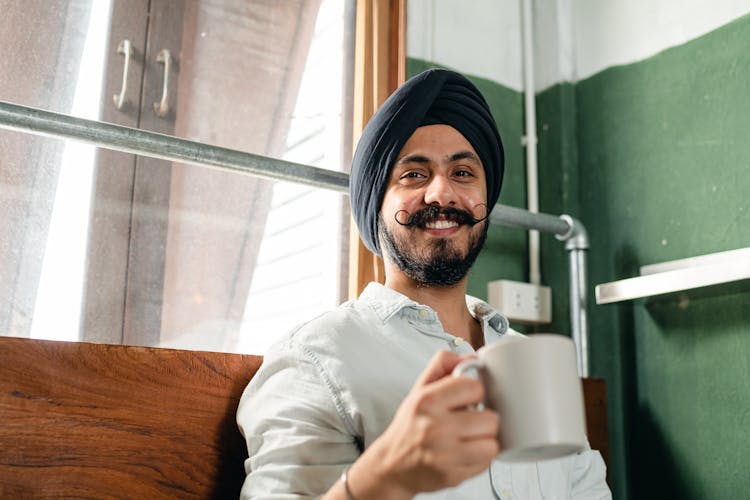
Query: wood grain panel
pixel 595 402
pixel 109 421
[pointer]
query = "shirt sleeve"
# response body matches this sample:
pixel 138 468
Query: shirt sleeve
pixel 297 439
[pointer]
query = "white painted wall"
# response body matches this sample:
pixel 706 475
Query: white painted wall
pixel 614 32
pixel 554 42
pixel 574 39
pixel 478 37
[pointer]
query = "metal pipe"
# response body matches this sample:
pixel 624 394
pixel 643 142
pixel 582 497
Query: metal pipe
pixel 165 147
pixel 577 244
pixel 530 139
pixel 505 215
pixel 578 321
pixel 152 144
pixel 573 233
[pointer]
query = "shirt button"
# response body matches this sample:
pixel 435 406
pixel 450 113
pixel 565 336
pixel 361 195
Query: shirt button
pixel 458 341
pixel 422 313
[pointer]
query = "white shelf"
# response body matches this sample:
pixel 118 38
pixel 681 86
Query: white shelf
pixel 678 275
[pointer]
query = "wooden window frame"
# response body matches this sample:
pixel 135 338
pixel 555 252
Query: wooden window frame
pixel 379 68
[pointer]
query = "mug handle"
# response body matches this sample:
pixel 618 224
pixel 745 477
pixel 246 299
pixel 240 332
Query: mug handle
pixel 461 370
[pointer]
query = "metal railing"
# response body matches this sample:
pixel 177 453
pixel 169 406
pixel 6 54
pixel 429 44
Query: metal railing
pixel 143 142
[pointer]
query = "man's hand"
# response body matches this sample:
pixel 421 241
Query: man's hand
pixel 434 440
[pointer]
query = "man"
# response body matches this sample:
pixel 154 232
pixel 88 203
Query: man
pixel 359 403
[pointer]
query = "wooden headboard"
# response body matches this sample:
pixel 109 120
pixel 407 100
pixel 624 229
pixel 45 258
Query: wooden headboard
pixel 111 421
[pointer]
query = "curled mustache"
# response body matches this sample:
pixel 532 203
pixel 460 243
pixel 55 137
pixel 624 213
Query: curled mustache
pixel 422 217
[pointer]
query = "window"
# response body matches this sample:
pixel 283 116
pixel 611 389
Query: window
pixel 170 254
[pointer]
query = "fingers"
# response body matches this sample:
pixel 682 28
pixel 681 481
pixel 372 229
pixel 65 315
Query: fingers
pixel 450 393
pixel 476 424
pixel 453 430
pixel 463 460
pixel 438 391
pixel 475 452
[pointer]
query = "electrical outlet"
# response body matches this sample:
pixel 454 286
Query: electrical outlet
pixel 521 302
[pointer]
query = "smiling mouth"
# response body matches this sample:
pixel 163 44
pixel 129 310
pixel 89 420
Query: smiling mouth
pixel 435 217
pixel 441 224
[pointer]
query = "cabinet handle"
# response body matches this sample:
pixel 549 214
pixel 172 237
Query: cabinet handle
pixel 161 108
pixel 125 48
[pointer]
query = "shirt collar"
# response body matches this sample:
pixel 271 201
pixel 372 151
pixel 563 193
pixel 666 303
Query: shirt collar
pixel 387 302
pixel 489 317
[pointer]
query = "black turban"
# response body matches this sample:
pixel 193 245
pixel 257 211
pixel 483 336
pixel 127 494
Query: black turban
pixel 436 96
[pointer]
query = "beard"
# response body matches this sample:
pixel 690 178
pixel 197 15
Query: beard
pixel 439 263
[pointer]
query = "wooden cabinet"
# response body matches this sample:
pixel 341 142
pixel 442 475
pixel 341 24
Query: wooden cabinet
pixel 130 201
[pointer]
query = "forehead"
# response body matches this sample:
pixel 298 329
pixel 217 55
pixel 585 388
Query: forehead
pixel 435 141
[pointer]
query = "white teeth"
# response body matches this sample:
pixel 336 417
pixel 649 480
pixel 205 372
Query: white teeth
pixel 441 224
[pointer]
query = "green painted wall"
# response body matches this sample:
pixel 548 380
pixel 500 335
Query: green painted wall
pixel 654 158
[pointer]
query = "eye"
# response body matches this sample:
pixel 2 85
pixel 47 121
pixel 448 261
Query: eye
pixel 411 175
pixel 463 172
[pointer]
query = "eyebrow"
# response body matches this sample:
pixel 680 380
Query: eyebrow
pixel 415 158
pixel 461 155
pixel 465 155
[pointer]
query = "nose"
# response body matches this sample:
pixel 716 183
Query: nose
pixel 440 191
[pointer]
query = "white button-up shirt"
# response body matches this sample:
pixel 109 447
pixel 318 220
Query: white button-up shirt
pixel 329 388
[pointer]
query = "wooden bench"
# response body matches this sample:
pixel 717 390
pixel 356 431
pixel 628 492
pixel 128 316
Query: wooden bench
pixel 109 421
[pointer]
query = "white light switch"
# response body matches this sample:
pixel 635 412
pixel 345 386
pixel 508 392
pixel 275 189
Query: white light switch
pixel 521 302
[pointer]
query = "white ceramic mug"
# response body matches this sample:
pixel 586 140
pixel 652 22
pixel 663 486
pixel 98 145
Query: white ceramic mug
pixel 533 384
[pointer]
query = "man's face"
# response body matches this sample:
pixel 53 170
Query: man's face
pixel 431 223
